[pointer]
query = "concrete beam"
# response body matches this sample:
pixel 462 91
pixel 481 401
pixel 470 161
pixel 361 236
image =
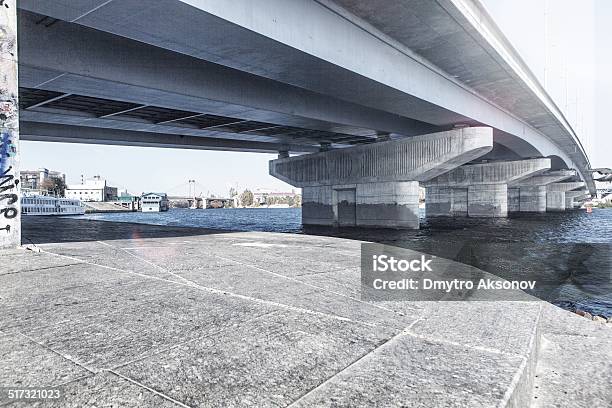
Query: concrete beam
pixel 503 172
pixel 417 158
pixel 10 193
pixel 48 132
pixel 480 190
pixel 110 65
pixel 377 185
pixel 548 177
pixel 574 185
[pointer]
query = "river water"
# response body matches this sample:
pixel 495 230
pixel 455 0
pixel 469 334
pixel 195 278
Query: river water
pixel 571 252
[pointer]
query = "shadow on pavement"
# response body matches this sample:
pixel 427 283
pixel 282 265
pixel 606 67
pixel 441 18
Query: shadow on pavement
pixel 46 230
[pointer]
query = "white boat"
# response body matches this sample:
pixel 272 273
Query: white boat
pixel 44 205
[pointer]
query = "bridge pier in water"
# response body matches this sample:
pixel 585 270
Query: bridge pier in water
pixel 10 211
pixel 377 185
pixel 529 195
pixel 572 199
pixel 479 190
pixel 556 194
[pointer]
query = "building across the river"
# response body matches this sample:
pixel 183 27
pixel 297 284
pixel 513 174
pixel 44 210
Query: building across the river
pixel 33 181
pixel 94 189
pixel 129 201
pixel 154 202
pixel 263 197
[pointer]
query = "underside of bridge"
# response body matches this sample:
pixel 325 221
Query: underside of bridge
pixel 371 77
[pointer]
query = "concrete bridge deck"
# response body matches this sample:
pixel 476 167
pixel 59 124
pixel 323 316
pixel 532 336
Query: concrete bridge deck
pixel 136 315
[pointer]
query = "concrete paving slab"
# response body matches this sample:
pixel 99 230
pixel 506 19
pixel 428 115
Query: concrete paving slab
pixel 572 371
pixel 105 254
pixel 25 363
pixel 413 372
pixel 21 260
pixel 266 362
pixel 114 390
pixel 262 285
pixel 503 327
pixel 231 318
pixel 143 319
pixel 223 273
pixel 42 298
pixel 574 363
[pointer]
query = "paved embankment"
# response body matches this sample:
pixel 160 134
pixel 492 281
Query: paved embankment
pixel 136 315
pixel 104 207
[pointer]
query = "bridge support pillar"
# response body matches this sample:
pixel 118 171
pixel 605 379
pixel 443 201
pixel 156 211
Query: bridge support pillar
pixel 480 190
pixel 571 198
pixel 555 201
pixel 377 185
pixel 487 200
pixel 514 199
pixel 555 194
pixel 387 205
pixel 10 209
pixel 446 201
pixel 532 199
pixel 529 195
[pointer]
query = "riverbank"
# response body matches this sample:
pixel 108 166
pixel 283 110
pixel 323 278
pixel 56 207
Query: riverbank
pixel 138 315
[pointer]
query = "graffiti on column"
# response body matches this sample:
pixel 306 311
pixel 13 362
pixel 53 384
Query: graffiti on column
pixel 9 122
pixel 9 180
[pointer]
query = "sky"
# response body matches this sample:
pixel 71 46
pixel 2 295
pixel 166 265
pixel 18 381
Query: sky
pixel 566 44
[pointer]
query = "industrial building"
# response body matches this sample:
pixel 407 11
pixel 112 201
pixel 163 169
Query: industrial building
pixel 94 189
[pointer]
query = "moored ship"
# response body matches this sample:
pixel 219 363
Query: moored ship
pixel 45 205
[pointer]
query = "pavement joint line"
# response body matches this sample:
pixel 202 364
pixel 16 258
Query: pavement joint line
pixel 356 362
pixel 308 284
pixel 312 272
pixel 521 371
pixel 219 291
pixel 164 349
pixel 222 292
pixel 191 283
pixel 82 377
pixel 148 262
pixel 40 269
pixel 136 248
pixel 139 384
pixel 456 344
pixel 56 352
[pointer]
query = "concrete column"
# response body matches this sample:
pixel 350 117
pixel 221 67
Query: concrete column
pixel 10 208
pixel 555 194
pixel 486 185
pixel 571 198
pixel 532 199
pixel 555 201
pixel 377 185
pixel 446 202
pixel 529 195
pixel 318 206
pixel 388 204
pixel 514 199
pixel 488 200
